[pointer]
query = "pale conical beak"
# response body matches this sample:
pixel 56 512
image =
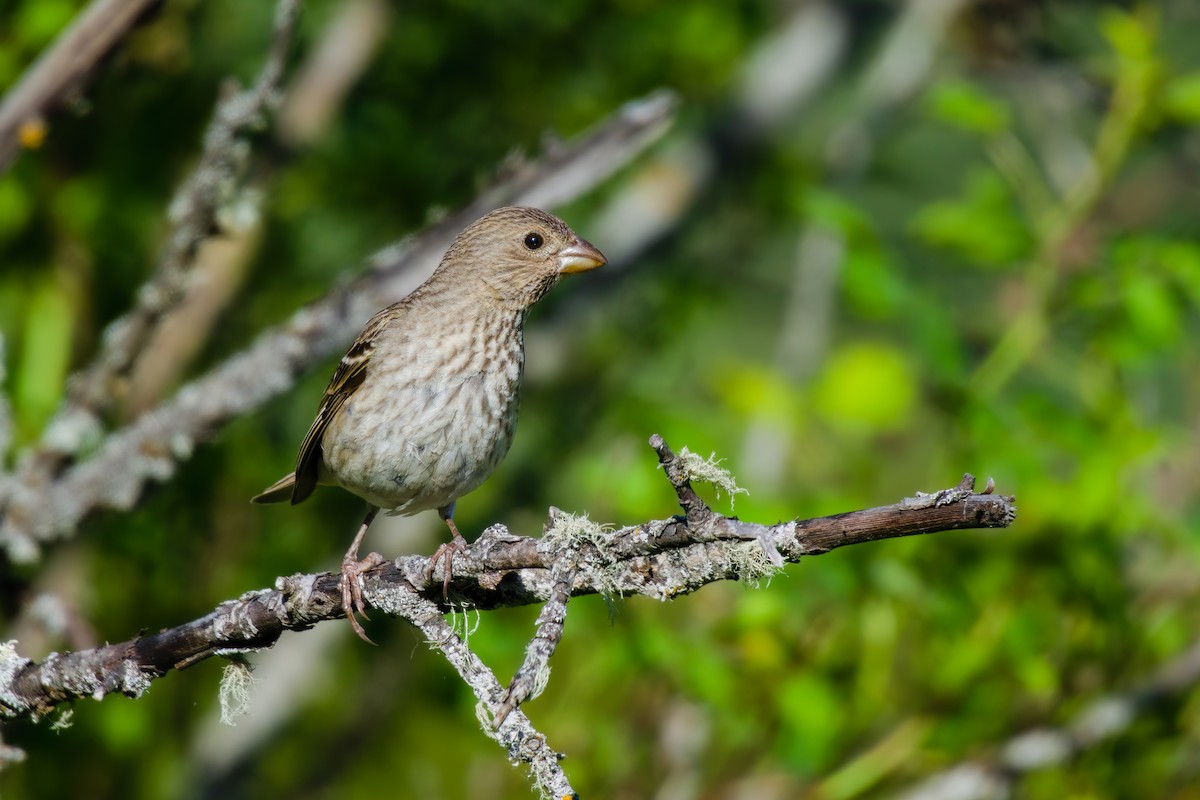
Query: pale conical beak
pixel 580 256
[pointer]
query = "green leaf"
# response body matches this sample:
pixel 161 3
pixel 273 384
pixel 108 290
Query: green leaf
pixel 968 107
pixel 1152 311
pixel 872 283
pixel 1130 34
pixel 1181 98
pixel 755 390
pixel 982 228
pixel 831 210
pixel 79 205
pixel 37 23
pixel 45 355
pixel 1181 260
pixel 1151 308
pixel 10 68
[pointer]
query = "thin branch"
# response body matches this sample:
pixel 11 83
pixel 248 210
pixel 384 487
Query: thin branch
pixel 199 209
pixel 661 558
pixel 149 448
pixel 1041 748
pixel 530 679
pixel 332 67
pixel 517 735
pixel 62 70
pixel 195 214
pixel 1030 325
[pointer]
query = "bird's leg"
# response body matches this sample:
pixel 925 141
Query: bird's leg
pixel 446 551
pixel 352 571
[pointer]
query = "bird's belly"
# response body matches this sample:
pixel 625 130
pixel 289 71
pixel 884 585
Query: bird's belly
pixel 430 447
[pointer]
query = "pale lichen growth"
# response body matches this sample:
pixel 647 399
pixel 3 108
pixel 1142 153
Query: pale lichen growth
pixel 49 610
pixel 464 626
pixel 11 664
pixel 483 715
pixel 19 548
pixel 236 621
pixel 943 498
pixel 237 687
pixel 240 212
pixel 64 721
pixel 752 563
pixel 10 755
pixel 709 470
pixel 540 679
pixel 570 533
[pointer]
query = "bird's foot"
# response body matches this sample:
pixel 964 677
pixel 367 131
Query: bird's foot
pixel 445 553
pixel 352 590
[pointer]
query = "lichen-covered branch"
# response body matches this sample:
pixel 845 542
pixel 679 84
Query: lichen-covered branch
pixel 521 741
pixel 207 202
pixel 149 448
pixel 561 538
pixel 660 558
pixel 200 208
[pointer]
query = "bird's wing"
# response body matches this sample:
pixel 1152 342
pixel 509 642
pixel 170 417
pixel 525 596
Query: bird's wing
pixel 348 376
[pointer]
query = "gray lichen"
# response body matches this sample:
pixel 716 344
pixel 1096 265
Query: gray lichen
pixel 236 691
pixel 709 470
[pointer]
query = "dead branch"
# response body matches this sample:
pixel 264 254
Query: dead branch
pixel 662 559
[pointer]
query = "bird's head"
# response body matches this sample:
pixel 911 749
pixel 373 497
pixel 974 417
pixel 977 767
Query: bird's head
pixel 516 254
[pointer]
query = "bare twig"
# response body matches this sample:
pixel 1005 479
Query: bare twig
pixel 661 559
pixel 149 448
pixel 62 70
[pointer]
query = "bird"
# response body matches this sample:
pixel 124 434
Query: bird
pixel 423 406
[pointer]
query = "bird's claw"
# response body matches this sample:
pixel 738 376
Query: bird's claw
pixel 445 553
pixel 352 594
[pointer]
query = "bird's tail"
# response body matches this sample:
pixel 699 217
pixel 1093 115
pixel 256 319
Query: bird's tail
pixel 277 492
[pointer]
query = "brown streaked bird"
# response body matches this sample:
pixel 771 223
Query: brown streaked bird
pixel 422 407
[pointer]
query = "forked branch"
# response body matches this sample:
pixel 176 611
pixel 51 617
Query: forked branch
pixel 660 558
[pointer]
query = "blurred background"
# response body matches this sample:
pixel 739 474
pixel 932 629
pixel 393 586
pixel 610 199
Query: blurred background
pixel 885 243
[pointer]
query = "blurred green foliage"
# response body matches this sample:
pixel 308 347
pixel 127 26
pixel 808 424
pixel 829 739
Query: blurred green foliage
pixel 1015 296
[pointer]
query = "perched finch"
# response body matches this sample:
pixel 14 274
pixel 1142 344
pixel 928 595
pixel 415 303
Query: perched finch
pixel 422 407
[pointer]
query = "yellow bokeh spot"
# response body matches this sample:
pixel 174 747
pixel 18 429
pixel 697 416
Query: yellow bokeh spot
pixel 32 133
pixel 866 387
pixel 754 390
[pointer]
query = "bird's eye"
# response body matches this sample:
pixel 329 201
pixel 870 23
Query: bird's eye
pixel 533 241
